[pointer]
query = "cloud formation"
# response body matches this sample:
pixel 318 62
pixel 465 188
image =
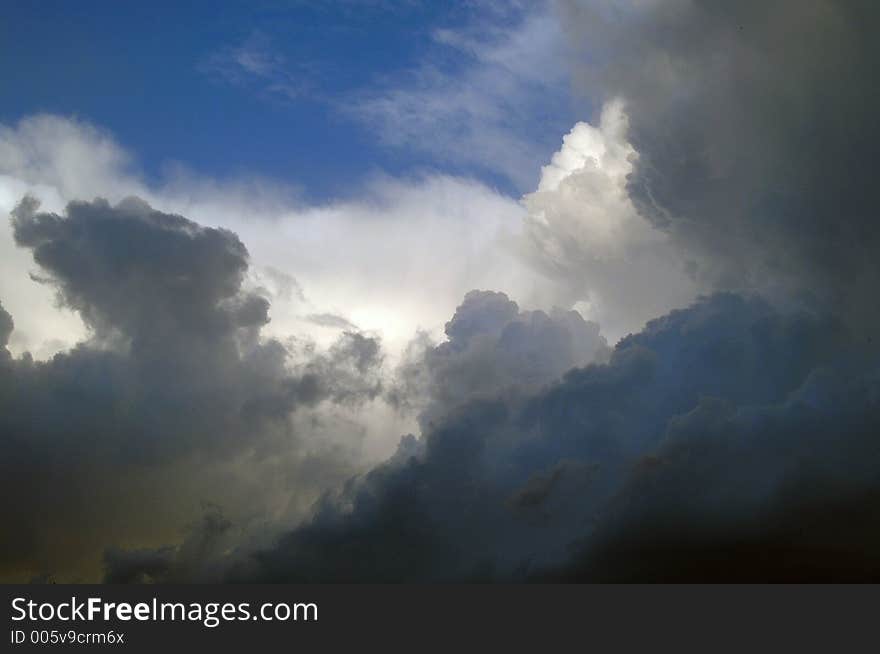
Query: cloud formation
pixel 492 349
pixel 723 190
pixel 713 414
pixel 393 258
pixel 174 397
pixel 492 346
pixel 755 138
pixel 256 63
pixel 583 231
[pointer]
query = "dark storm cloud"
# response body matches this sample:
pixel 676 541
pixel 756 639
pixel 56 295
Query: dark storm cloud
pixel 143 273
pixel 755 126
pixel 787 492
pixel 510 485
pixel 113 441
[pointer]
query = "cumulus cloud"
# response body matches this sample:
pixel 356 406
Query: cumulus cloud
pixel 173 398
pixel 583 231
pixel 785 492
pixel 754 132
pixel 491 346
pixel 710 413
pixel 492 350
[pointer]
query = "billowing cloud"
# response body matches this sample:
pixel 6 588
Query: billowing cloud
pixel 755 138
pixel 492 350
pixel 492 346
pixel 711 415
pixel 583 231
pixel 174 397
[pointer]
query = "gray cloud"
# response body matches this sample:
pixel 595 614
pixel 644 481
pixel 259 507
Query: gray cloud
pixel 174 398
pixel 330 320
pixel 494 350
pixel 754 126
pixel 6 327
pixel 512 485
pixel 491 347
pixel 785 492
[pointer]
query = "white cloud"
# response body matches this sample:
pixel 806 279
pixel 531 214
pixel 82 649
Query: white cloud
pixel 582 230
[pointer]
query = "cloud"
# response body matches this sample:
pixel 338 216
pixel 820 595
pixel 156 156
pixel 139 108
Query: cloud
pixel 710 413
pixel 257 63
pixel 772 493
pixel 393 259
pixel 754 135
pixel 493 346
pixel 476 99
pixel 191 561
pixel 731 157
pixel 185 280
pixel 6 327
pixel 174 397
pixel 732 439
pixel 492 349
pixel 583 231
pixel 330 320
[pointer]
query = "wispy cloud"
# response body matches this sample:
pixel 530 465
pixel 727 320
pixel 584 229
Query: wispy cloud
pixel 489 96
pixel 483 98
pixel 257 64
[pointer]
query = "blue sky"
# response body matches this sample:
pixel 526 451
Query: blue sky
pixel 318 95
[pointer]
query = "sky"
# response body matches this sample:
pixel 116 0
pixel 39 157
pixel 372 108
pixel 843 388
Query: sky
pixel 362 290
pixel 295 92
